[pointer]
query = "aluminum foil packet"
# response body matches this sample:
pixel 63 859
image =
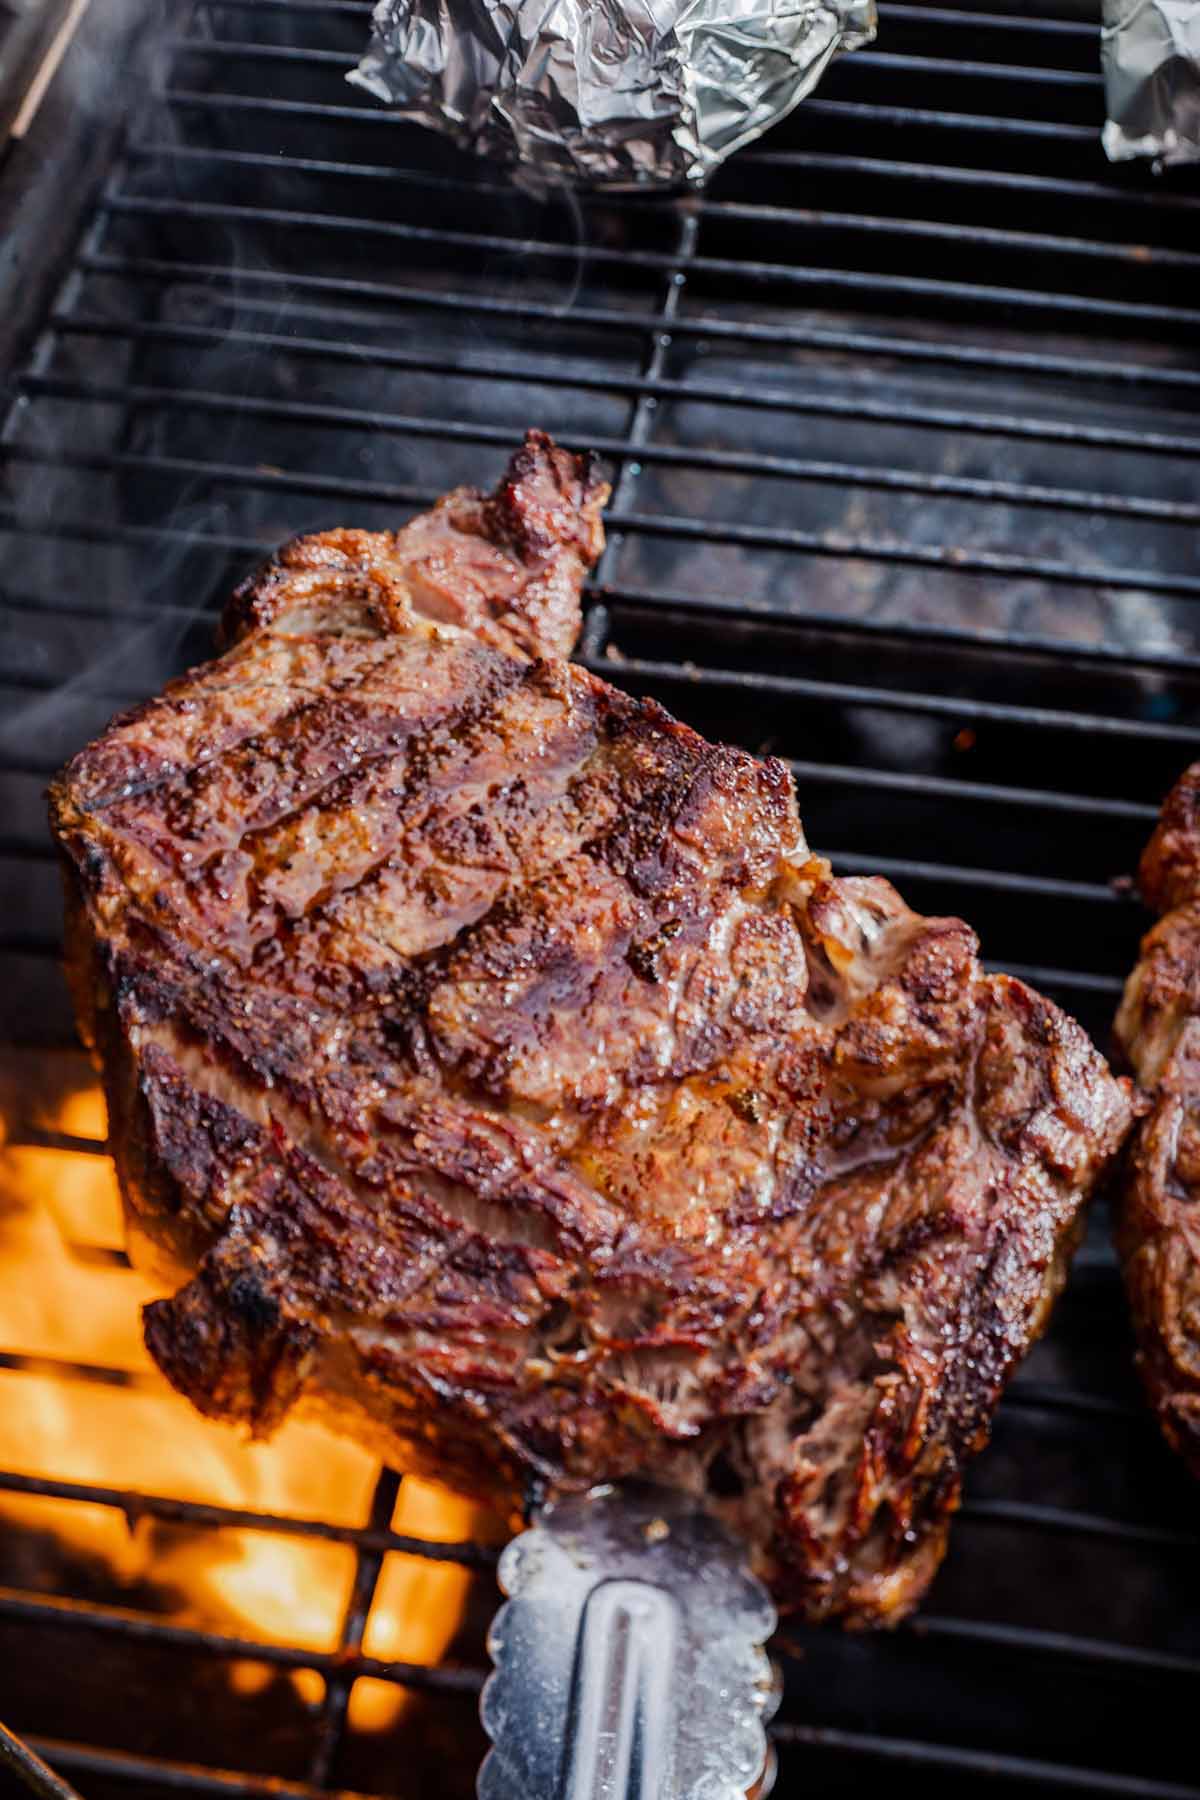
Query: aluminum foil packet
pixel 1150 50
pixel 615 92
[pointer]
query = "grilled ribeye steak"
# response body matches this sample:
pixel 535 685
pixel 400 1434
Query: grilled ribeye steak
pixel 507 1083
pixel 1158 1028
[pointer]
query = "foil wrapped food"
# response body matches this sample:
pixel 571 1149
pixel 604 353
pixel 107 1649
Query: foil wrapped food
pixel 619 92
pixel 1150 50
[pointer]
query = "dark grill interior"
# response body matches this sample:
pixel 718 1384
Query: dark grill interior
pixel 903 419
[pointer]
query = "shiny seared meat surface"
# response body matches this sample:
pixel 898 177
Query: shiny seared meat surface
pixel 495 1073
pixel 1158 1028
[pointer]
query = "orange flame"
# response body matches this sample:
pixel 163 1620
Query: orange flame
pixel 62 1298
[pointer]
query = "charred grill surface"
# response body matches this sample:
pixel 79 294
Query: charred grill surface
pixel 494 1071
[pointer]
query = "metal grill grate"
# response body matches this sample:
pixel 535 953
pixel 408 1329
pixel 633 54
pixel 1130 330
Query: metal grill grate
pixel 904 417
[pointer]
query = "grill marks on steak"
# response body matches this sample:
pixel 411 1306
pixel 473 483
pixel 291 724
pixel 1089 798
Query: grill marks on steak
pixel 495 1073
pixel 1158 1028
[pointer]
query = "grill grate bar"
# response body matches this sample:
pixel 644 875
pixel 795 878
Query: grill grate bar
pixel 195 1778
pixel 28 1136
pixel 1027 645
pixel 29 943
pixel 1127 1658
pixel 977 21
pixel 1038 975
pixel 634 449
pixel 142 1628
pixel 1042 1395
pixel 959 707
pixel 361 9
pixel 829 543
pixel 938 174
pixel 987 1764
pixel 118 1765
pixel 60 1368
pixel 1062 653
pixel 215 277
pixel 983 124
pixel 1010 73
pixel 648 387
pixel 869 225
pixel 1068 1522
pixel 367 1565
pixel 877 283
pixel 311 56
pixel 35 1775
pixel 152 150
pixel 977 424
pixel 1001 881
pixel 134 1505
pixel 990 793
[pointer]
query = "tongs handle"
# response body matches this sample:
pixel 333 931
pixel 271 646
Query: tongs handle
pixel 629 1656
pixel 621 1724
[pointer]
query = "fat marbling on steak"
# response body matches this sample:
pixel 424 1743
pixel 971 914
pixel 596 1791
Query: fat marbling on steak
pixel 496 1074
pixel 1158 1028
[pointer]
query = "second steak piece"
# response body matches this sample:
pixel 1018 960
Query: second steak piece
pixel 498 1076
pixel 1158 1028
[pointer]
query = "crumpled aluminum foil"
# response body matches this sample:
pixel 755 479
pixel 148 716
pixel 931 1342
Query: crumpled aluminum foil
pixel 620 92
pixel 1150 50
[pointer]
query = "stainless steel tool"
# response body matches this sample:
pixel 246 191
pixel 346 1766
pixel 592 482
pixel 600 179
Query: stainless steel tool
pixel 629 1656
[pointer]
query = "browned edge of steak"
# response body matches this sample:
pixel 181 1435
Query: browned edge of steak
pixel 1158 1215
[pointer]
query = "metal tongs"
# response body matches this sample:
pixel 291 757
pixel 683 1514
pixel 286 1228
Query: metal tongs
pixel 629 1656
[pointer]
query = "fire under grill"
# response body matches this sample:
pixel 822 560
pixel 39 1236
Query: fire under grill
pixel 903 422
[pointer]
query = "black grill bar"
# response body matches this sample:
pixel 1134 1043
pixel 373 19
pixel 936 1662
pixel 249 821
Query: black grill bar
pixel 987 792
pixel 706 325
pixel 59 1368
pixel 367 1565
pixel 985 125
pixel 906 631
pixel 634 445
pixel 1008 181
pixel 30 1770
pixel 981 124
pixel 949 15
pixel 938 175
pixel 1010 73
pixel 252 50
pixel 985 1765
pixel 647 388
pixel 107 1621
pixel 1041 975
pixel 1067 1521
pixel 25 1136
pixel 828 406
pixel 962 709
pixel 879 284
pixel 164 1776
pixel 142 150
pixel 372 1539
pixel 1000 881
pixel 943 556
pixel 834 545
pixel 1095 1652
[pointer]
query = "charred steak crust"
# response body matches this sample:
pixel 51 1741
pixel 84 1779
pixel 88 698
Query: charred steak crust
pixel 1158 1029
pixel 494 1072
